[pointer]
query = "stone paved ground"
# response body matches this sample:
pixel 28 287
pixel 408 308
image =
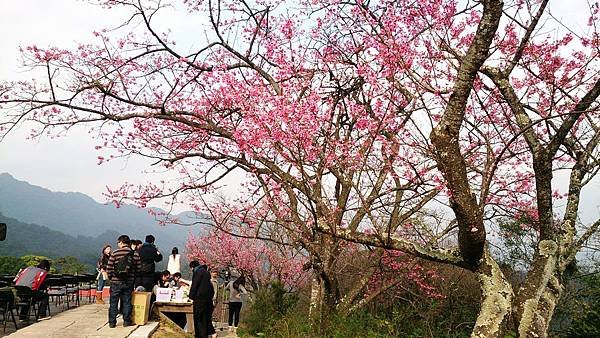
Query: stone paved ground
pixel 85 321
pixel 91 321
pixel 54 310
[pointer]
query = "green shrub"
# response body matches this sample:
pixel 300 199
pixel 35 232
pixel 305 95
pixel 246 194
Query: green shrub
pixel 10 265
pixel 586 317
pixel 401 322
pixel 269 305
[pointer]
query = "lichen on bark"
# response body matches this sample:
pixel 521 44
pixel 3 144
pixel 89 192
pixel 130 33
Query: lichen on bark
pixel 531 308
pixel 496 302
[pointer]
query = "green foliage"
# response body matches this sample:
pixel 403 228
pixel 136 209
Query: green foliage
pixel 399 312
pixel 31 239
pixel 11 265
pixel 399 323
pixel 586 318
pixel 71 265
pixel 68 265
pixel 34 260
pixel 519 238
pixel 269 305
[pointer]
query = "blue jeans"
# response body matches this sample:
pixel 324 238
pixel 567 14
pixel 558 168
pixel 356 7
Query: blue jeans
pixel 101 283
pixel 120 291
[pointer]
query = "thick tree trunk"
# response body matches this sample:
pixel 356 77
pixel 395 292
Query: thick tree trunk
pixel 497 296
pixel 316 300
pixel 534 305
pixel 539 292
pixel 325 295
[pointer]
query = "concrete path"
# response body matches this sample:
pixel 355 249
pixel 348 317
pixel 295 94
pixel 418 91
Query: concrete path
pixel 85 321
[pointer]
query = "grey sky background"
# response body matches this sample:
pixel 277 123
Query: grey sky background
pixel 70 163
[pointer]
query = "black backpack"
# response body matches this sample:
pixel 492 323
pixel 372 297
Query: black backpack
pixel 124 266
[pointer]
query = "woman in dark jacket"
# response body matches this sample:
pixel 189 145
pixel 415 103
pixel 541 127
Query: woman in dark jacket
pixel 102 275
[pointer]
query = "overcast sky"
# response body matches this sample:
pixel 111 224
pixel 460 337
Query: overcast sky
pixel 69 164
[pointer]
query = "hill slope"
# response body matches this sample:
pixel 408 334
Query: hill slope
pixel 23 239
pixel 77 214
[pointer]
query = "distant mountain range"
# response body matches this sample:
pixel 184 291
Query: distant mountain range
pixel 33 213
pixel 30 239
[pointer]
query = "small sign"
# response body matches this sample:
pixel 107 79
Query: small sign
pixel 163 294
pixel 179 294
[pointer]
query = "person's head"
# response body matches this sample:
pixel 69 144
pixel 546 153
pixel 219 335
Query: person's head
pixel 194 264
pixel 165 275
pixel 106 249
pixel 175 251
pixel 44 264
pixel 150 239
pixel 123 241
pixel 133 244
pixel 138 243
pixel 177 276
pixel 214 274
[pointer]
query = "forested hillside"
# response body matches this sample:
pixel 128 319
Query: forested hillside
pixel 25 239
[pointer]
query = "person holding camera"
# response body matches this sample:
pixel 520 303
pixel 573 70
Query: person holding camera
pixel 149 255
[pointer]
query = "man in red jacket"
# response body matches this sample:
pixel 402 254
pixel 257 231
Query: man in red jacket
pixel 34 277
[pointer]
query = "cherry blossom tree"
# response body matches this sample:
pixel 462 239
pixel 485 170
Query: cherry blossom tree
pixel 260 261
pixel 402 125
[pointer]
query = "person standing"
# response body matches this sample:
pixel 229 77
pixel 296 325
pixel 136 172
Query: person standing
pixel 173 265
pixel 236 290
pixel 214 275
pixel 102 274
pixel 149 255
pixel 201 293
pixel 214 279
pixel 122 267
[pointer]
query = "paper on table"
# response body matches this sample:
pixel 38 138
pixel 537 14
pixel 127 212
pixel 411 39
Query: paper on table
pixel 163 294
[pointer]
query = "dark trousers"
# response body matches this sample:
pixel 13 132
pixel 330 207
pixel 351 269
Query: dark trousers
pixel 202 320
pixel 120 291
pixel 211 327
pixel 147 281
pixel 234 313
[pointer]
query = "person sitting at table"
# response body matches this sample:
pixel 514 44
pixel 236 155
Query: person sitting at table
pixel 34 277
pixel 180 282
pixel 165 279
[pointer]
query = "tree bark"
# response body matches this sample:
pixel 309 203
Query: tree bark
pixel 535 302
pixel 497 296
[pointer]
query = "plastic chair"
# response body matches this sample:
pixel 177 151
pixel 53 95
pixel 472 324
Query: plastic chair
pixel 56 289
pixel 7 306
pixel 86 282
pixel 26 299
pixel 72 287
